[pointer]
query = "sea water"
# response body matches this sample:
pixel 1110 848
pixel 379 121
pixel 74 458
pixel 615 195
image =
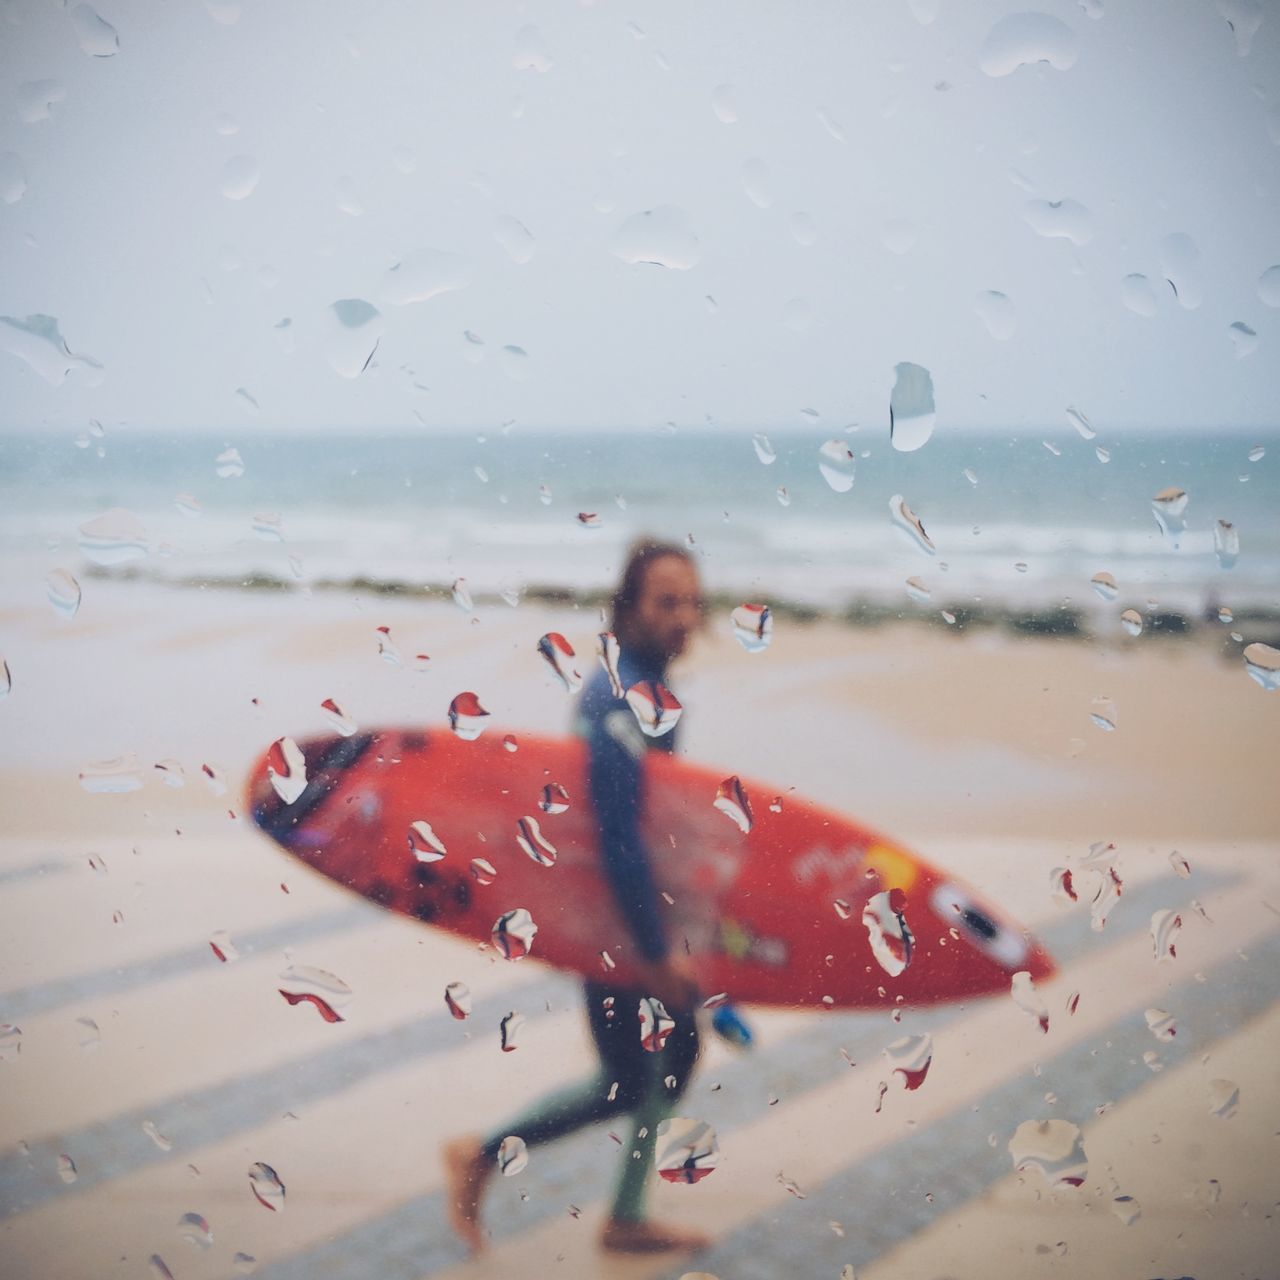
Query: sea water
pixel 1018 520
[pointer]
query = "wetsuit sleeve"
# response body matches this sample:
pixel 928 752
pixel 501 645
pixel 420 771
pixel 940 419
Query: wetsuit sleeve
pixel 615 775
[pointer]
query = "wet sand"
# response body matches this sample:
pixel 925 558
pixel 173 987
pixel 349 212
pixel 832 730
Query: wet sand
pixel 977 749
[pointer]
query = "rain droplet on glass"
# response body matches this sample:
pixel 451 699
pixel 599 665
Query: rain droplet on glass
pixel 1064 219
pixel 513 933
pixel 513 1156
pixel 560 658
pixel 1076 418
pixel 1127 1209
pixel 266 1186
pixel 353 328
pixel 196 1229
pixel 63 592
pixel 1062 886
pixel 1054 1148
pixel 467 718
pixel 239 177
pixel 752 626
pixel 555 799
pixel 1028 999
pixel 910 1057
pixel 1161 1024
pixel 95 36
pixel 912 411
pixel 325 992
pixel 515 238
pixel 1137 294
pixel 1169 507
pixel 1103 713
pixel 37 98
pixel 755 180
pixel 656 1024
pixel 910 525
pixel 530 838
pixel 1131 621
pixel 607 651
pixel 731 799
pixel 1224 1098
pixel 462 595
pixel 483 872
pixel 1180 262
pixel 223 948
pixel 67 1169
pixel 656 708
pixel 764 450
pixel 996 311
pixel 1243 338
pixel 112 776
pixel 287 769
pixel 836 463
pixel 686 1150
pixel 1165 927
pixel 228 465
pixel 424 844
pixel 1226 543
pixel 1104 584
pixel 338 718
pixel 457 999
pixel 660 237
pixel 423 274
pixel 509 1031
pixel 149 1128
pixel 114 537
pixel 1023 39
pixel 889 935
pixel 1262 663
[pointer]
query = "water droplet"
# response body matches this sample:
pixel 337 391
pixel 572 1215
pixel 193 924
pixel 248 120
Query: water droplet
pixel 1262 662
pixel 784 498
pixel 509 1031
pixel 510 743
pixel 755 180
pixel 513 933
pixel 1161 1024
pixel 1076 417
pixel 10 1042
pixel 890 937
pixel 353 329
pixel 731 799
pixel 1169 508
pixel 222 947
pixel 724 103
pixel 1059 219
pixel 467 718
pixel 266 1186
pixel 1127 1209
pixel 996 312
pixel 287 769
pixel 63 592
pixel 764 450
pixel 114 537
pixel 1131 621
pixel 1244 17
pixel 1062 886
pixel 423 274
pixel 1180 262
pixel 656 1024
pixel 111 777
pixel 1269 286
pixel 1137 294
pixel 555 799
pixel 1243 338
pixel 338 718
pixel 910 1057
pixel 1023 39
pixel 530 838
pixel 656 707
pixel 910 525
pixel 1104 584
pixel 911 408
pixel 607 651
pixel 660 236
pixel 835 462
pixel 196 1229
pixel 67 1169
pixel 530 54
pixel 228 465
pixel 388 651
pixel 13 178
pixel 457 999
pixel 149 1128
pixel 1055 1148
pixel 805 231
pixel 462 595
pixel 1224 1098
pixel 424 844
pixel 515 238
pixel 240 176
pixel 1226 543
pixel 483 872
pixel 833 127
pixel 898 235
pixel 1103 713
pixel 215 779
pixel 752 626
pixel 686 1150
pixel 324 991
pixel 1073 1003
pixel 38 340
pixel 515 362
pixel 560 656
pixel 513 1156
pixel 1027 998
pixel 791 1186
pixel 95 36
pixel 245 1263
pixel 1165 927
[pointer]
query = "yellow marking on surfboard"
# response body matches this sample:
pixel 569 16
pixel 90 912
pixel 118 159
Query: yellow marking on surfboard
pixel 897 870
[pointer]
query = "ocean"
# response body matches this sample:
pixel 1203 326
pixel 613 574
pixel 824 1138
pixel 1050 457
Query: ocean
pixel 1016 521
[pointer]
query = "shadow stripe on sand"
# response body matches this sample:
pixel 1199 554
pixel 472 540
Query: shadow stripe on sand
pixel 116 1147
pixel 414 1239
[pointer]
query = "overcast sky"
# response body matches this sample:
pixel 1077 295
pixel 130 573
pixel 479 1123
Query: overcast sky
pixel 170 248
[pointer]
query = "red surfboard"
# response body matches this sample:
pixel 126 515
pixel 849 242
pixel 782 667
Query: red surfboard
pixel 775 900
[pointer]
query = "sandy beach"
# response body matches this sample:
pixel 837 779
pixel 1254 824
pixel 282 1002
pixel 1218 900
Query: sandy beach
pixel 977 749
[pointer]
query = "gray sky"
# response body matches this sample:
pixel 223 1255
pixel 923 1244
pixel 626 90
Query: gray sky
pixel 1160 127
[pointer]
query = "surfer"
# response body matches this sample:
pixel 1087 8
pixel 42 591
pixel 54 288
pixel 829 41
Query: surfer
pixel 655 612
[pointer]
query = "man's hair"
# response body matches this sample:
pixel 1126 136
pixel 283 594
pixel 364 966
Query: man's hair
pixel 642 554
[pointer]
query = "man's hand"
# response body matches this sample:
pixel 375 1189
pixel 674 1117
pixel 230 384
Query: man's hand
pixel 672 981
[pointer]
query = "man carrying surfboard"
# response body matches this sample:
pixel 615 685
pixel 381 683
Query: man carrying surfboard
pixel 655 611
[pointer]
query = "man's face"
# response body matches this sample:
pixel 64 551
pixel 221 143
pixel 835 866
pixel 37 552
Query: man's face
pixel 669 608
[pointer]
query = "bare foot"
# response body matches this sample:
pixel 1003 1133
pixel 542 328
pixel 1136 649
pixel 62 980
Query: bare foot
pixel 466 1171
pixel 650 1237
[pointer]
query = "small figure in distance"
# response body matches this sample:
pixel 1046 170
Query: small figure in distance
pixel 655 611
